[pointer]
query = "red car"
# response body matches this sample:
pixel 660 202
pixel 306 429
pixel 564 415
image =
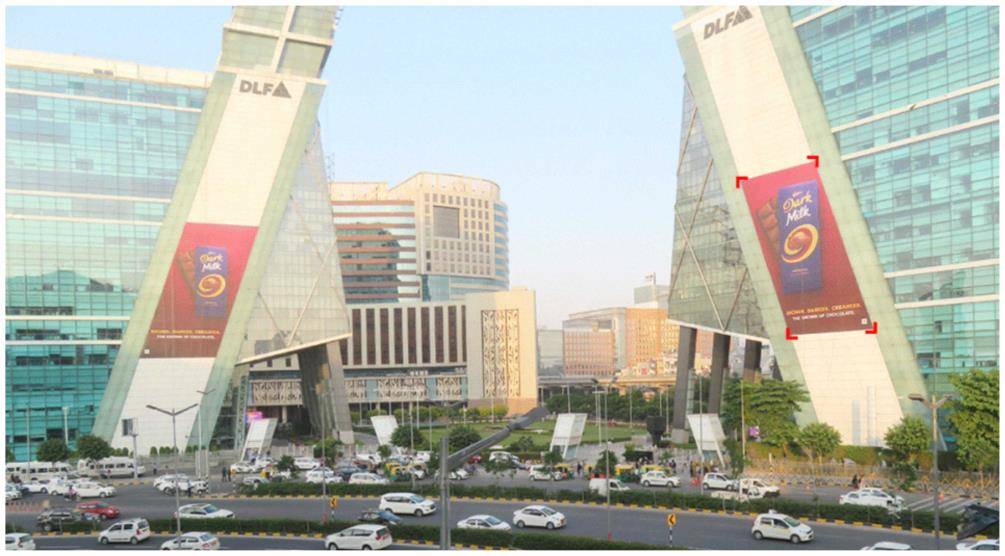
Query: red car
pixel 477 458
pixel 100 509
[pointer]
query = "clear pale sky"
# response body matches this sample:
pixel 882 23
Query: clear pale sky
pixel 574 112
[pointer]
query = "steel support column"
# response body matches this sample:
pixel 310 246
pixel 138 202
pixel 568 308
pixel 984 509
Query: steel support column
pixel 685 365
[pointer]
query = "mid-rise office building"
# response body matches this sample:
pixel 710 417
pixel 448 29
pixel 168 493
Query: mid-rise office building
pixel 461 233
pixel 844 201
pixel 549 351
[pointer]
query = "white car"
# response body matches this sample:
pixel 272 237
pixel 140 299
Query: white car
pixel 93 490
pixel 407 503
pixel 305 463
pixel 774 525
pixel 459 474
pixel 319 475
pixel 133 531
pixel 422 456
pixel 360 537
pixel 986 544
pixel 255 480
pixel 717 481
pixel 33 486
pixel 659 478
pixel 758 487
pixel 373 459
pixel 58 487
pixel 13 492
pixel 888 545
pixel 483 521
pixel 541 473
pixel 19 541
pixel 367 479
pixel 192 541
pixel 242 467
pixel 263 462
pixel 182 483
pixel 872 497
pixel 538 516
pixel 202 511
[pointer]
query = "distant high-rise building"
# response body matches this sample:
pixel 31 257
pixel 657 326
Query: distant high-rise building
pixel 549 351
pixel 867 226
pixel 460 242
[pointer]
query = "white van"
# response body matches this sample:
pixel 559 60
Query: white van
pixel 407 503
pixel 117 467
pixel 600 486
pixel 41 470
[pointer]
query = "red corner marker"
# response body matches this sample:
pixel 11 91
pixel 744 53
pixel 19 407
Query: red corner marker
pixel 739 179
pixel 875 328
pixel 788 334
pixel 815 158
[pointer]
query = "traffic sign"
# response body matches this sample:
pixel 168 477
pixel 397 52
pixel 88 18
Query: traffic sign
pixel 333 502
pixel 671 520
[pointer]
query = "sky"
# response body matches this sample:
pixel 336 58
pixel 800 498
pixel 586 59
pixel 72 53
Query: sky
pixel 573 111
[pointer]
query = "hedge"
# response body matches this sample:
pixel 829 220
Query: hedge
pixel 480 537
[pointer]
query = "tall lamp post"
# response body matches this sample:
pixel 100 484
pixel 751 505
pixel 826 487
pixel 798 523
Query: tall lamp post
pixel 66 426
pixel 198 453
pixel 933 404
pixel 174 437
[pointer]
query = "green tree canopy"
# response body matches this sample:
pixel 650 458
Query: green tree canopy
pixel 908 438
pixel 610 459
pixel 769 404
pixel 384 451
pixel 53 449
pixel 9 453
pixel 820 439
pixel 404 436
pixel 93 448
pixel 462 437
pixel 286 463
pixel 553 458
pixel 974 418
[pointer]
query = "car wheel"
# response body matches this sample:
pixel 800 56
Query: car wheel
pixel 519 524
pixel 758 535
pixel 331 546
pixel 45 491
pixel 646 483
pixel 134 540
pixel 366 547
pixel 794 539
pixel 418 513
pixel 47 528
pixel 549 526
pixel 103 540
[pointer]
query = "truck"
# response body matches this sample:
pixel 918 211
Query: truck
pixel 600 485
pixel 746 489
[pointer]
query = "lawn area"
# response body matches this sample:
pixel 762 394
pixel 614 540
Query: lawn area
pixel 541 432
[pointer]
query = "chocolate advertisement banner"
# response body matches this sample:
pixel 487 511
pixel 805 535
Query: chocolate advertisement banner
pixel 804 252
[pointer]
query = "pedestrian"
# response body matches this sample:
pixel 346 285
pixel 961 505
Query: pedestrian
pixel 854 481
pixel 223 473
pixel 579 469
pixel 188 489
pixel 155 470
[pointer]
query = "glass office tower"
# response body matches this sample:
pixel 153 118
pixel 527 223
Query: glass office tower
pixel 93 152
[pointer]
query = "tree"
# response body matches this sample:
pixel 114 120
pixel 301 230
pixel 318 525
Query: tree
pixel 820 439
pixel 611 461
pixel 524 444
pixel 462 437
pixel 9 453
pixel 974 418
pixel 770 405
pixel 553 458
pixel 384 451
pixel 53 449
pixel 908 438
pixel 286 463
pixel 331 448
pixel 93 448
pixel 406 436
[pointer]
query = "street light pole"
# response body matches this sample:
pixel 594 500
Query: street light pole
pixel 174 437
pixel 66 426
pixel 198 453
pixel 933 404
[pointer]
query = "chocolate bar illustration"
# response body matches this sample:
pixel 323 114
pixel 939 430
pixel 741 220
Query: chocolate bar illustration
pixel 798 219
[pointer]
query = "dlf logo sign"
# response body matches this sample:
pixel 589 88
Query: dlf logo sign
pixel 263 88
pixel 731 19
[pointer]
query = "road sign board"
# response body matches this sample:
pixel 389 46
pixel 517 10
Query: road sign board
pixel 671 520
pixel 333 502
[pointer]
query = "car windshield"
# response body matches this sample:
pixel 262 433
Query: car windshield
pixel 492 520
pixel 416 498
pixel 790 522
pixel 546 510
pixel 209 508
pixel 206 537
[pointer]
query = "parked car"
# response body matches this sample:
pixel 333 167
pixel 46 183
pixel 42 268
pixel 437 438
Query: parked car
pixel 483 521
pixel 192 541
pixel 367 479
pixel 874 497
pixel 659 478
pixel 986 544
pixel 367 536
pixel 459 474
pixel 202 511
pixel 13 492
pixel 717 481
pixel 242 467
pixel 423 456
pixel 887 545
pixel 543 473
pixel 774 525
pixel 381 517
pixel 322 474
pixel 407 503
pixel 100 509
pixel 92 490
pixel 132 531
pixel 19 541
pixel 346 471
pixel 371 459
pixel 304 463
pixel 538 516
pixel 54 519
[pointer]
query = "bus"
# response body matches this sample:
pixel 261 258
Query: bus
pixel 110 467
pixel 40 470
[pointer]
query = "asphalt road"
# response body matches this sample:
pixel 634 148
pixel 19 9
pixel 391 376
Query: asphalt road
pixel 226 543
pixel 698 530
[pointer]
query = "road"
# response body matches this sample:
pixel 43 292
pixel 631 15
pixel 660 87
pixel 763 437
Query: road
pixel 698 530
pixel 227 542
